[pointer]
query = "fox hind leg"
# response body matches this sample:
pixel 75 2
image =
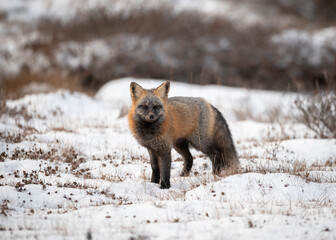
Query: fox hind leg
pixel 221 159
pixel 217 159
pixel 182 147
pixel 217 162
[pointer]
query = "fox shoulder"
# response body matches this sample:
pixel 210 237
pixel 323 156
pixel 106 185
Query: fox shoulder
pixel 191 115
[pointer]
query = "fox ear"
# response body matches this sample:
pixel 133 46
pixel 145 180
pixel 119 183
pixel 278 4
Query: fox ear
pixel 136 91
pixel 162 90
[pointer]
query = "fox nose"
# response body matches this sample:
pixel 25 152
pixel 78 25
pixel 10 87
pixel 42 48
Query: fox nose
pixel 151 116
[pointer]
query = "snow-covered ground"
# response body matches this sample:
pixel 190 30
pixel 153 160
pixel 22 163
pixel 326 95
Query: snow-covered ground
pixel 70 169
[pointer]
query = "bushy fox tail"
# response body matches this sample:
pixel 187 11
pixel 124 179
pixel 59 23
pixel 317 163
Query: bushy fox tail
pixel 223 154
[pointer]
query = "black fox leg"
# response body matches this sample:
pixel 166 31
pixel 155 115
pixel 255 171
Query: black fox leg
pixel 164 166
pixel 216 163
pixel 155 167
pixel 217 159
pixel 182 147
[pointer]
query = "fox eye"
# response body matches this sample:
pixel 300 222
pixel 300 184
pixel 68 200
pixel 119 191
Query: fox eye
pixel 144 107
pixel 157 107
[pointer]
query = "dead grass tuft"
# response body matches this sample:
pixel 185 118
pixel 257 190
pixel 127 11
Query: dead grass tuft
pixel 22 111
pixel 172 195
pixel 4 209
pixel 300 168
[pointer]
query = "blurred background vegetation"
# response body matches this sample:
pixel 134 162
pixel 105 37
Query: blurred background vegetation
pixel 276 45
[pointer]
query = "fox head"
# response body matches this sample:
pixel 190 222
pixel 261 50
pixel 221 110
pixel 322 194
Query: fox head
pixel 149 103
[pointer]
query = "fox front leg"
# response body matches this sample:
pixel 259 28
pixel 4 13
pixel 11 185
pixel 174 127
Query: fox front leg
pixel 164 166
pixel 155 167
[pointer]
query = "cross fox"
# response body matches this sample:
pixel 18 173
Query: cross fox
pixel 160 123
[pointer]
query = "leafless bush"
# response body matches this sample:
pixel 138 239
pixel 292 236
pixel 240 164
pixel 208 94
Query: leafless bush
pixel 163 43
pixel 325 9
pixel 318 113
pixel 315 10
pixel 160 43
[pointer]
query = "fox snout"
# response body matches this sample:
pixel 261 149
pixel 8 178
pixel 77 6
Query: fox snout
pixel 149 112
pixel 151 117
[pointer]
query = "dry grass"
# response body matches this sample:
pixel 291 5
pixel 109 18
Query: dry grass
pixel 4 207
pixel 269 161
pixel 172 195
pixel 311 172
pixel 15 112
pixel 273 114
pixel 14 87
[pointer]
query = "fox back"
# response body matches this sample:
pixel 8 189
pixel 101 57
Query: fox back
pixel 160 123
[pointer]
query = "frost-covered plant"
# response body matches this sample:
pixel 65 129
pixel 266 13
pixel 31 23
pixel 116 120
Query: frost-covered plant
pixel 318 113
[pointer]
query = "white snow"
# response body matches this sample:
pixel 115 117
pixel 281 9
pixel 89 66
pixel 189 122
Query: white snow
pixel 96 178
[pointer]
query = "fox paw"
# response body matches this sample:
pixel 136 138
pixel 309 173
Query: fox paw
pixel 185 173
pixel 165 186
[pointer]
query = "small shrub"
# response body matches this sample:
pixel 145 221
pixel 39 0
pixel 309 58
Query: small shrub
pixel 4 207
pixel 318 113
